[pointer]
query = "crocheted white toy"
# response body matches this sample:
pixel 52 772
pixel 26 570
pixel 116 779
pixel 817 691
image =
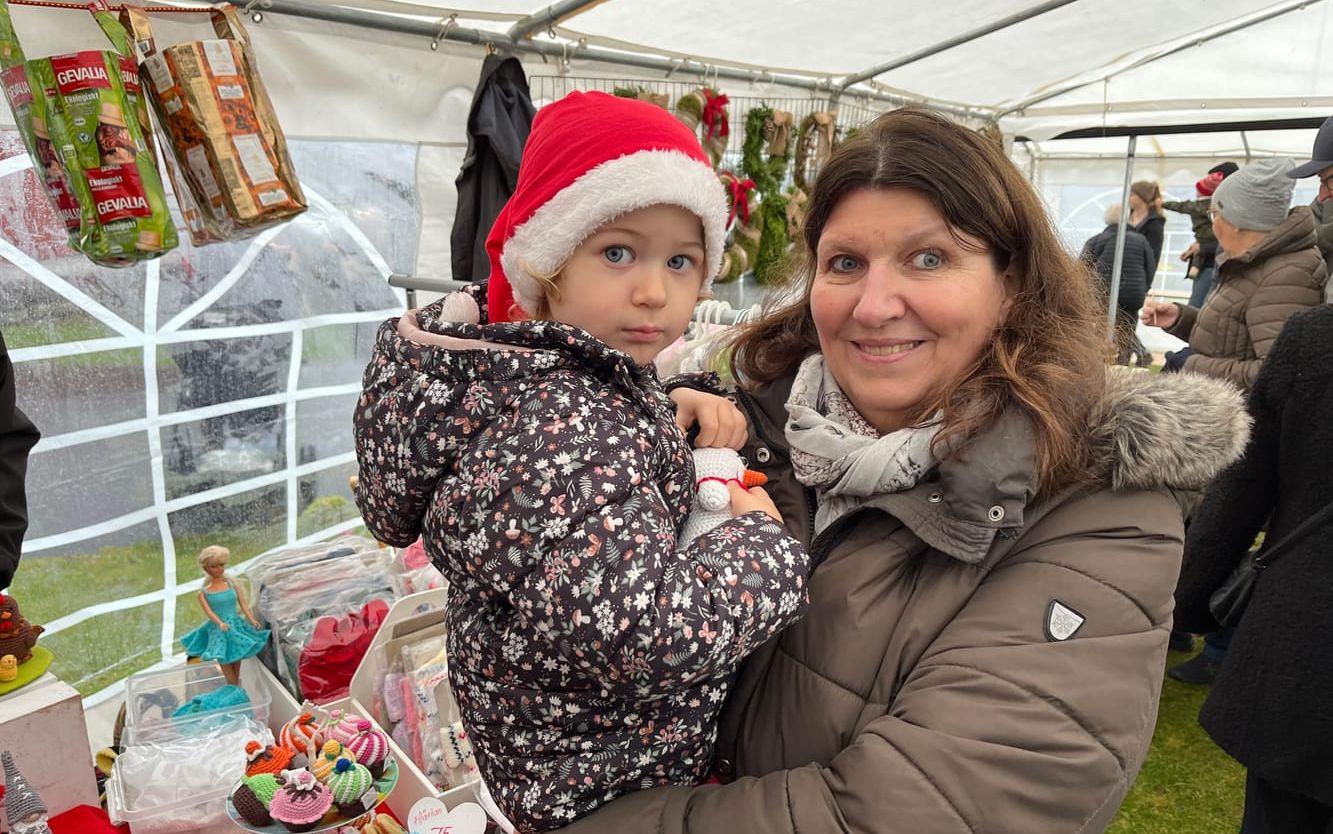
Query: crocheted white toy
pixel 713 470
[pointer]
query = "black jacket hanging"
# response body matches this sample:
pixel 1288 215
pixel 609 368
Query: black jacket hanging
pixel 497 127
pixel 17 437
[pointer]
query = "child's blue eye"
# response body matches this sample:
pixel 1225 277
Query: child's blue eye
pixel 679 262
pixel 617 254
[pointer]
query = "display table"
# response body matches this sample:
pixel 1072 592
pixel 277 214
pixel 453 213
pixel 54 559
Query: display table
pixel 42 726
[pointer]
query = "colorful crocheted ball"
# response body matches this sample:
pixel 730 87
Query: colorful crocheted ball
pixel 263 759
pixel 349 783
pixel 302 802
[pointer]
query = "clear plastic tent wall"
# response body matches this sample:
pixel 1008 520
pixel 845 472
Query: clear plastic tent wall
pixel 205 398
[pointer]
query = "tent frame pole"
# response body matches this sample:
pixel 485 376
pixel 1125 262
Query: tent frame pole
pixel 363 18
pixel 1120 232
pixel 549 17
pixel 957 40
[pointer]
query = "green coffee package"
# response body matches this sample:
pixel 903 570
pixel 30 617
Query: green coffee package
pixel 83 118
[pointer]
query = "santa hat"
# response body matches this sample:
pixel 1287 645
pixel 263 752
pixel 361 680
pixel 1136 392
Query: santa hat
pixel 591 158
pixel 1209 184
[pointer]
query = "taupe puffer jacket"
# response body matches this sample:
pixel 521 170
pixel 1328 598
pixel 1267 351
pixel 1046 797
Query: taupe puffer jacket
pixel 974 659
pixel 1256 292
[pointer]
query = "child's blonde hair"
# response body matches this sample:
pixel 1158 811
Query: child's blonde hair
pixel 214 554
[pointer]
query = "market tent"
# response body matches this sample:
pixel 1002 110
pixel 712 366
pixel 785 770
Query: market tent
pixel 205 398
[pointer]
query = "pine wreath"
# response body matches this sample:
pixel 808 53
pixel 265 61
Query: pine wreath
pixel 817 135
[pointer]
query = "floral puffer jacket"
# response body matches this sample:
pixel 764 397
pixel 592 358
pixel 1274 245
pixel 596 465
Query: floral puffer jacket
pixel 549 480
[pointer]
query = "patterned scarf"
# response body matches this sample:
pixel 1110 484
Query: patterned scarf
pixel 835 450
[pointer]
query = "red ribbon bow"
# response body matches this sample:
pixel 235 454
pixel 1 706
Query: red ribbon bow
pixel 740 197
pixel 715 114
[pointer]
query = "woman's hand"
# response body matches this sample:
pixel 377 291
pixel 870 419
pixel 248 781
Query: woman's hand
pixel 1160 314
pixel 721 423
pixel 755 498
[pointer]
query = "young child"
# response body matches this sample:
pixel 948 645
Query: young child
pixel 540 458
pixel 231 633
pixel 1201 255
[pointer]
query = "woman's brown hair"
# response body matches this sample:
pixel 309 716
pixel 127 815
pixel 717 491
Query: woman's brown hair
pixel 1045 357
pixel 1149 192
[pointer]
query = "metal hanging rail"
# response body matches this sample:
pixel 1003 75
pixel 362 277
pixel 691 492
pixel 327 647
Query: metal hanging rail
pixel 432 30
pixel 548 17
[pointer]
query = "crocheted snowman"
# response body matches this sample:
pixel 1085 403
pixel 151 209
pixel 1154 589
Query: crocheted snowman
pixel 713 470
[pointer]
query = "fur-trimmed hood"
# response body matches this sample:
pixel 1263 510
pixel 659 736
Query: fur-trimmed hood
pixel 1166 430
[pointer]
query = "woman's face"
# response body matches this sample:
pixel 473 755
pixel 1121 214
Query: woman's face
pixel 1136 203
pixel 1228 236
pixel 901 308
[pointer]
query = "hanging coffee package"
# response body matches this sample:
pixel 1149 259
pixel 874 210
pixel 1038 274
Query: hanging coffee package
pixel 231 172
pixel 83 124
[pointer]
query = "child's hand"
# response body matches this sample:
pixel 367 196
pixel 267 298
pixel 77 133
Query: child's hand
pixel 721 423
pixel 755 498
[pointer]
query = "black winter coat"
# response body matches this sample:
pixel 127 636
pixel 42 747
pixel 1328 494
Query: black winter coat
pixel 1153 228
pixel 17 437
pixel 1269 706
pixel 497 129
pixel 1136 271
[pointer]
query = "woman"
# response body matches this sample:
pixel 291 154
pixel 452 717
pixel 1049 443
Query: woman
pixel 1270 268
pixel 985 640
pixel 1269 705
pixel 1145 216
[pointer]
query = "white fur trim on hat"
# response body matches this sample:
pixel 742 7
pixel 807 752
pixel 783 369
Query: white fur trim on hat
pixel 648 178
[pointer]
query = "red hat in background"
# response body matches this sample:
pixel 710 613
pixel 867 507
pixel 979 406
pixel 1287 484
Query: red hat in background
pixel 1209 184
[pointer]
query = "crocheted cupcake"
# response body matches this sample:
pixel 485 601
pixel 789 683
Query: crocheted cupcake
pixel 301 803
pixel 296 735
pixel 370 746
pixel 345 729
pixel 263 759
pixel 252 798
pixel 323 764
pixel 350 784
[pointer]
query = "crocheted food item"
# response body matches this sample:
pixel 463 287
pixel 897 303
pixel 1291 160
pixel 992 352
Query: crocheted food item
pixel 265 786
pixel 350 784
pixel 263 759
pixel 302 802
pixel 296 734
pixel 370 746
pixel 17 635
pixel 248 804
pixel 323 764
pixel 346 729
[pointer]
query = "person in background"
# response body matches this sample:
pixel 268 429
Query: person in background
pixel 1201 255
pixel 1269 706
pixel 1321 165
pixel 17 437
pixel 1270 268
pixel 1145 215
pixel 1136 274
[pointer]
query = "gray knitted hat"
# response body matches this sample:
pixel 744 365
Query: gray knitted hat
pixel 1257 196
pixel 20 799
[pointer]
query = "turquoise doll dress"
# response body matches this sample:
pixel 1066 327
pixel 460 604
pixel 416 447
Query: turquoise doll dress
pixel 210 642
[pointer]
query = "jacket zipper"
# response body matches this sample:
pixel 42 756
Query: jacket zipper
pixel 750 412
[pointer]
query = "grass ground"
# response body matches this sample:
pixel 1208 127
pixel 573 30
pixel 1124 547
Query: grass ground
pixel 1187 785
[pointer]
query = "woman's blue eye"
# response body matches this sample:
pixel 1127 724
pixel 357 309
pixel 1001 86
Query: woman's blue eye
pixel 679 262
pixel 617 254
pixel 843 263
pixel 929 259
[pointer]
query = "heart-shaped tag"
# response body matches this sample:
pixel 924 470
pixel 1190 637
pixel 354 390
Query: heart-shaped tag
pixel 430 816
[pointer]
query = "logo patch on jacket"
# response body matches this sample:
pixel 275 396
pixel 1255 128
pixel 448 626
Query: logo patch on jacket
pixel 1062 622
